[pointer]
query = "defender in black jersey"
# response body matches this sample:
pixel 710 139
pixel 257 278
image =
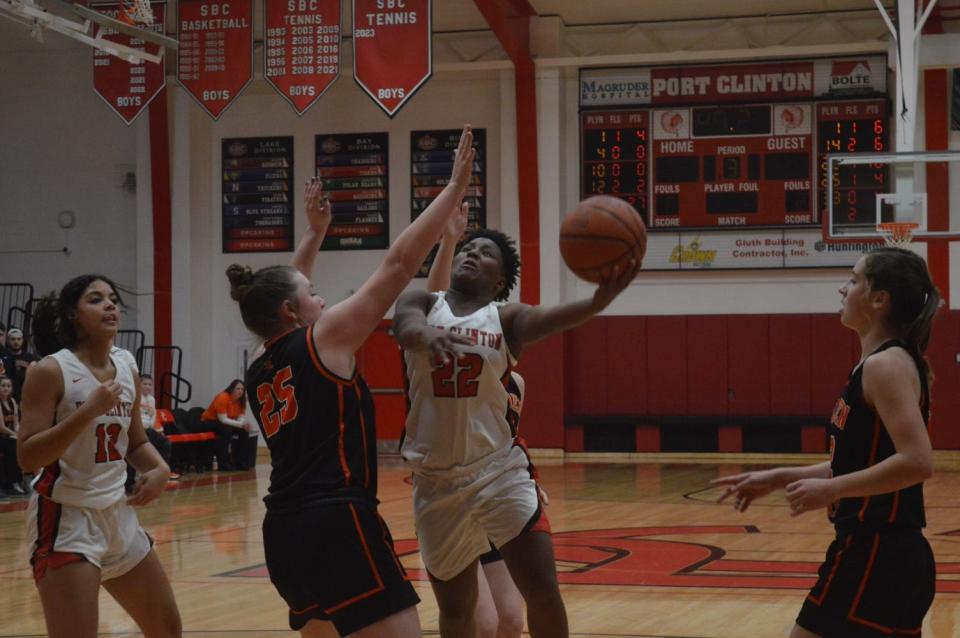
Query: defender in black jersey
pixel 879 577
pixel 329 553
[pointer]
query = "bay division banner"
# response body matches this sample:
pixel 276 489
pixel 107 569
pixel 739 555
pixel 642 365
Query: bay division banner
pixel 431 161
pixel 301 53
pixel 353 168
pixel 257 194
pixel 215 58
pixel 128 88
pixel 392 54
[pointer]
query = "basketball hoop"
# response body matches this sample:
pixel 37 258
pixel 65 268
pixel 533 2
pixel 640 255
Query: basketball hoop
pixel 136 12
pixel 897 234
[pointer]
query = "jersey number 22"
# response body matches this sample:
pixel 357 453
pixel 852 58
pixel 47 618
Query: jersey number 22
pixel 458 378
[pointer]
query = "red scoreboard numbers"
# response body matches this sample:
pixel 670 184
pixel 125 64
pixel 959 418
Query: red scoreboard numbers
pixel 719 166
pixel 615 156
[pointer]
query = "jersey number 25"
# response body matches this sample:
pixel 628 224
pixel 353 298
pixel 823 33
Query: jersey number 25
pixel 279 391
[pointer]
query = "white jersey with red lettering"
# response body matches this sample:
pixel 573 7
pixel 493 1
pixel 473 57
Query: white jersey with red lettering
pixel 457 412
pixel 92 472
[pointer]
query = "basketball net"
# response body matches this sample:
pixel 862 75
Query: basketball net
pixel 897 234
pixel 136 12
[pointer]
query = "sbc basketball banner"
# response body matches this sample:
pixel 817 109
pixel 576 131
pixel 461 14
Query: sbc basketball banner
pixel 301 53
pixel 215 59
pixel 392 55
pixel 128 88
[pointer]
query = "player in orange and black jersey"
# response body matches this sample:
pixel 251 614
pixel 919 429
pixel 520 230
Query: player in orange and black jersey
pixel 328 552
pixel 879 577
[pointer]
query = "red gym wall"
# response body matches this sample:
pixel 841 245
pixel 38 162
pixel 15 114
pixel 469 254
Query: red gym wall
pixel 722 366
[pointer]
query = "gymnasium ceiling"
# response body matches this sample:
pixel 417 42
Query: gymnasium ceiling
pixel 463 15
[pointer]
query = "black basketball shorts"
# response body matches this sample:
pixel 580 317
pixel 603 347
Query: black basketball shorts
pixel 336 562
pixel 872 584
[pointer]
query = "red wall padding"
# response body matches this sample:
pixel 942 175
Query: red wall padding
pixel 748 365
pixel 737 365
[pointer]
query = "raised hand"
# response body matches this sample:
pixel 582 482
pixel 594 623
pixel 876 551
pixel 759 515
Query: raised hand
pixel 613 283
pixel 457 223
pixel 104 398
pixel 316 205
pixel 463 161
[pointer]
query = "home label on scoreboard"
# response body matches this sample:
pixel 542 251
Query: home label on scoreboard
pixel 729 166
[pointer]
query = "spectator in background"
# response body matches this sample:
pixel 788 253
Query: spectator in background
pixel 226 416
pixel 154 429
pixel 11 478
pixel 8 365
pixel 23 359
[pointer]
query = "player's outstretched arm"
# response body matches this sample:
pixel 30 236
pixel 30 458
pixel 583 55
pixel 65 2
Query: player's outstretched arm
pixel 342 329
pixel 318 213
pixel 40 443
pixel 439 277
pixel 525 324
pixel 749 486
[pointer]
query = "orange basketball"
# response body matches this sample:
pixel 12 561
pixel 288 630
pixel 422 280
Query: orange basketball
pixel 600 233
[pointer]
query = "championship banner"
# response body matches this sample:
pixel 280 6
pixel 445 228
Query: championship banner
pixel 392 54
pixel 257 182
pixel 215 59
pixel 301 53
pixel 128 88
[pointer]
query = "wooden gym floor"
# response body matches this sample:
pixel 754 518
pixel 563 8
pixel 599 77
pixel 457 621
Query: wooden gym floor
pixel 642 549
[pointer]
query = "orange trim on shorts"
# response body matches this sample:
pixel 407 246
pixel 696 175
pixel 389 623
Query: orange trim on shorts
pixel 393 552
pixel 363 437
pixel 872 461
pixel 376 590
pixel 340 441
pixel 851 615
pixel 322 369
pixel 44 557
pixel 833 572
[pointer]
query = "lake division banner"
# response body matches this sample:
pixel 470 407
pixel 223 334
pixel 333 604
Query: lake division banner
pixel 392 55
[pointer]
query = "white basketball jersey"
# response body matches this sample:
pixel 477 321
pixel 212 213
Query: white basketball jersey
pixel 457 416
pixel 92 472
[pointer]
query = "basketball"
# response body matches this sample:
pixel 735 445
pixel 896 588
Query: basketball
pixel 600 233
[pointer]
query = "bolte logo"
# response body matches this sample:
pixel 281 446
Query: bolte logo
pixel 851 76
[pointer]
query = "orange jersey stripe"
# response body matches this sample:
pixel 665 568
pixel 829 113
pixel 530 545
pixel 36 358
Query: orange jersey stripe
pixel 340 442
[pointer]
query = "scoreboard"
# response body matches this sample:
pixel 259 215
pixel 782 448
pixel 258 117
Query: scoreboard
pixel 736 165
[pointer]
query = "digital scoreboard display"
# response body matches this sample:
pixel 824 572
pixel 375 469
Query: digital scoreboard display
pixel 735 165
pixel 853 127
pixel 614 156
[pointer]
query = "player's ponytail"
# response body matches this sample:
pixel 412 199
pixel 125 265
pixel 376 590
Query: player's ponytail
pixel 260 295
pixel 52 327
pixel 914 300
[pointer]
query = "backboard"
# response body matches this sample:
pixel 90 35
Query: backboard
pixel 864 190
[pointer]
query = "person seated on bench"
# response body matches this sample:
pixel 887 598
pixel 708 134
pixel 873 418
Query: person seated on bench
pixel 226 417
pixel 154 429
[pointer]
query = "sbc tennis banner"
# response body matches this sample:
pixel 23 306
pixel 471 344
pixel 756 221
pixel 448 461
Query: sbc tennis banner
pixel 392 55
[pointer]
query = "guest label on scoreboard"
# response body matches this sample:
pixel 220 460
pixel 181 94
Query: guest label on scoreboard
pixel 431 162
pixel 215 58
pixel 301 53
pixel 128 88
pixel 353 168
pixel 257 194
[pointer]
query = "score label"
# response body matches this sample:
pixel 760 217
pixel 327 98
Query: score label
pixel 615 156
